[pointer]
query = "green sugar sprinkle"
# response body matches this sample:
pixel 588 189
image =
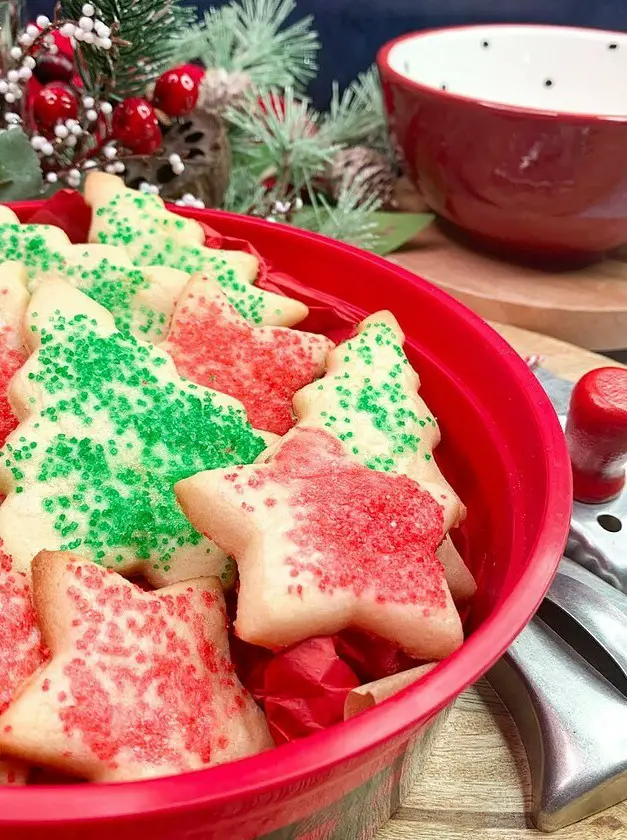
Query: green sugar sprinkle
pixel 119 433
pixel 149 232
pixel 376 396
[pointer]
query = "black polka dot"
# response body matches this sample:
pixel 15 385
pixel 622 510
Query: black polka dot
pixel 485 44
pixel 443 87
pixel 548 83
pixel 612 46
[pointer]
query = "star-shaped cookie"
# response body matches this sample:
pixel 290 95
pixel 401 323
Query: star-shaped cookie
pixel 369 401
pixel 140 684
pixel 153 235
pixel 323 543
pixel 107 426
pixel 263 367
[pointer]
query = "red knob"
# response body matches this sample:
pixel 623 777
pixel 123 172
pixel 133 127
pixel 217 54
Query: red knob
pixel 596 432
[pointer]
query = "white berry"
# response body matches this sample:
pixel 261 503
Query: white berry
pixel 88 101
pixel 13 76
pixel 32 31
pixel 30 62
pixel 105 43
pixel 43 22
pixel 25 73
pixel 118 167
pixel 79 35
pixel 68 30
pixel 102 30
pixel 88 10
pixel 37 142
pixel 47 149
pixel 86 24
pixel 52 177
pixel 106 108
pixel 10 98
pixel 16 53
pixel 89 38
pixel 4 87
pixel 76 130
pixel 109 152
pixel 91 115
pixel 25 40
pixel 61 131
pixel 71 141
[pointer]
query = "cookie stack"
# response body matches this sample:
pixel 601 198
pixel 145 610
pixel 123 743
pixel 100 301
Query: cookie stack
pixel 166 433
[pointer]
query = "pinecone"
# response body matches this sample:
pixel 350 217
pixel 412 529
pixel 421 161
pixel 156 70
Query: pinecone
pixel 200 141
pixel 219 89
pixel 365 166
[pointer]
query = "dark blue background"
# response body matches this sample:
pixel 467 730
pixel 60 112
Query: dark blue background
pixel 353 30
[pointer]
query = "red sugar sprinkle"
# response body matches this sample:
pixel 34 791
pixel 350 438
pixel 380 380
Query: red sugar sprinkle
pixel 22 649
pixel 263 367
pixel 11 359
pixel 357 528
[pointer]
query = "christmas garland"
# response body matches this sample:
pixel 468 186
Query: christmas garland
pixel 207 114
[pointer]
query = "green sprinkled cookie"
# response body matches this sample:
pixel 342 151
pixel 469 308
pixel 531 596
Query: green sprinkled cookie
pixel 152 235
pixel 106 429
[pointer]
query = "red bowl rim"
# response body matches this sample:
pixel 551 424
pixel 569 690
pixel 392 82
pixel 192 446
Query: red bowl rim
pixel 387 71
pixel 293 763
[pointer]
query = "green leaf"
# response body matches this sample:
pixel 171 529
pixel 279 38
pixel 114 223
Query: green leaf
pixel 20 172
pixel 395 229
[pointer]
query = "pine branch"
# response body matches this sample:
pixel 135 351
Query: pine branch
pixel 279 134
pixel 245 193
pixel 150 28
pixel 251 36
pixel 358 115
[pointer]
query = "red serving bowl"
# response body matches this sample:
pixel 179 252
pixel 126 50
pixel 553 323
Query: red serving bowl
pixel 518 134
pixel 504 452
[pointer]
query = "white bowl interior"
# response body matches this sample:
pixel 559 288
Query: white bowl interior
pixel 560 69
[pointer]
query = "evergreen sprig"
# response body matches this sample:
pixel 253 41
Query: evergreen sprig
pixel 253 36
pixel 350 219
pixel 148 32
pixel 357 116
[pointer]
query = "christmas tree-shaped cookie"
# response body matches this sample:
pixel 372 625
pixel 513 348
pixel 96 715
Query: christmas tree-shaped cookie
pixel 13 301
pixel 152 235
pixel 211 344
pixel 107 427
pixel 369 401
pixel 140 300
pixel 140 684
pixel 323 543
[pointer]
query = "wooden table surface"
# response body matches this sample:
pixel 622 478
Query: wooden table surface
pixel 476 784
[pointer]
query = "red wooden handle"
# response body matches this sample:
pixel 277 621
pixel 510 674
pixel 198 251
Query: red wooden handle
pixel 596 432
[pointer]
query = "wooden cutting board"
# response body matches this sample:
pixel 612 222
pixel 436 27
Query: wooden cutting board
pixel 586 306
pixel 476 785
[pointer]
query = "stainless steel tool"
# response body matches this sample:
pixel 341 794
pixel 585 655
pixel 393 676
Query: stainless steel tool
pixel 564 680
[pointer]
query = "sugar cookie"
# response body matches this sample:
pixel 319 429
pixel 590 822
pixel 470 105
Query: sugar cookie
pixel 140 684
pixel 323 543
pixel 369 401
pixel 152 235
pixel 107 427
pixel 13 301
pixel 211 344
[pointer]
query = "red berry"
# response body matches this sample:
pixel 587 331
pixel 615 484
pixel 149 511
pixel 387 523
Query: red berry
pixel 176 92
pixel 54 103
pixel 136 126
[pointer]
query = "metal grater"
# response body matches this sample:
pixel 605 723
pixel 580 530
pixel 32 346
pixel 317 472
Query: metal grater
pixel 564 680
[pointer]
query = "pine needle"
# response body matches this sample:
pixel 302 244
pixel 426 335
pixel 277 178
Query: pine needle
pixel 358 115
pixel 253 36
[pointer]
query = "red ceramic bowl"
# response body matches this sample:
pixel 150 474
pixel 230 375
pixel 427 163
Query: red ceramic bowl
pixel 503 450
pixel 517 134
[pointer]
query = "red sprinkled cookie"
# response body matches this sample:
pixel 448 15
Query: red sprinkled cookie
pixel 263 367
pixel 22 650
pixel 140 684
pixel 13 301
pixel 324 543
